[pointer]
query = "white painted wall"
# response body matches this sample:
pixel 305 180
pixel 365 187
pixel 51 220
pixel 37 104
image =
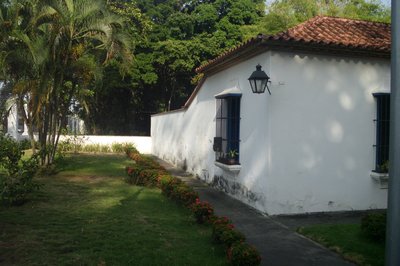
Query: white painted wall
pixel 308 147
pixel 12 125
pixel 142 144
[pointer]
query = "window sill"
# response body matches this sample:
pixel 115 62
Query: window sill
pixel 382 178
pixel 235 168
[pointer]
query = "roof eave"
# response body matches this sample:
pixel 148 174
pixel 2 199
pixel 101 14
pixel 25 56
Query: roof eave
pixel 244 53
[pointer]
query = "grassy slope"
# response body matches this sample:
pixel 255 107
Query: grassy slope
pixel 347 240
pixel 86 215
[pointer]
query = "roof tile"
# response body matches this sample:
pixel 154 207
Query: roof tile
pixel 327 32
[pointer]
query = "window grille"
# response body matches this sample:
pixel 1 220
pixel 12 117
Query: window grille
pixel 226 142
pixel 21 123
pixel 382 132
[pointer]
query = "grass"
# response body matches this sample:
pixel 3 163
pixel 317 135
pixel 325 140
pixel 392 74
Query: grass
pixel 347 240
pixel 87 215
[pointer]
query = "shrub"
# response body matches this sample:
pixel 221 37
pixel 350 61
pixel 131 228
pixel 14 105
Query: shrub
pixel 242 254
pixel 230 236
pixel 64 147
pixel 26 144
pixel 202 211
pixel 117 147
pixel 76 144
pixel 142 176
pixel 10 154
pixel 91 148
pixel 373 225
pixel 133 153
pixel 105 149
pixel 145 161
pixel 15 188
pixel 168 183
pixel 218 226
pixel 223 232
pixel 128 148
pixel 184 194
pixel 17 181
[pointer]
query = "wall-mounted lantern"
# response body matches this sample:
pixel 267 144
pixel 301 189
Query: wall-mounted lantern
pixel 259 81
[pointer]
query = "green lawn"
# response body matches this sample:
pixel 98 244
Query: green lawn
pixel 87 215
pixel 347 240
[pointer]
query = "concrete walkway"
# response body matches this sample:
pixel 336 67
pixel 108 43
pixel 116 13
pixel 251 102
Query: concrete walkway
pixel 277 244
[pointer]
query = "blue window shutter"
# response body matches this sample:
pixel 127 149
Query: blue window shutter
pixel 382 131
pixel 227 128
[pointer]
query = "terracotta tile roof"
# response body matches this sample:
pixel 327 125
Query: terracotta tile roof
pixel 324 33
pixel 340 31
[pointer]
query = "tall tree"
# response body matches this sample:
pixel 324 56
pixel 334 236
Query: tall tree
pixel 179 36
pixel 60 47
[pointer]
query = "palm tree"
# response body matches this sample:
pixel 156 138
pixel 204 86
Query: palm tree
pixel 64 44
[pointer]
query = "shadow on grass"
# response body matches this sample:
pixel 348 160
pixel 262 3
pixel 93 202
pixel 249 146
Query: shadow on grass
pixel 79 220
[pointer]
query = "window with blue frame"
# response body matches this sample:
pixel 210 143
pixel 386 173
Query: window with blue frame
pixel 226 141
pixel 382 132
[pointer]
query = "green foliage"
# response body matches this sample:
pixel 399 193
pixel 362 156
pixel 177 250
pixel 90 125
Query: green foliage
pixel 130 149
pixel 140 175
pixel 54 52
pixel 202 211
pixel 373 225
pixel 223 232
pixel 283 14
pixel 14 189
pixel 349 241
pixel 76 144
pixel 10 154
pixel 145 172
pixel 180 37
pixel 242 254
pixel 17 180
pixel 384 168
pixel 168 184
pixel 25 144
pixel 184 194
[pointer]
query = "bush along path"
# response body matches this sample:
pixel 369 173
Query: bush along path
pixel 147 172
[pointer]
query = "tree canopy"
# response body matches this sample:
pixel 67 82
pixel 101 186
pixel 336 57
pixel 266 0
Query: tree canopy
pixel 53 50
pixel 175 37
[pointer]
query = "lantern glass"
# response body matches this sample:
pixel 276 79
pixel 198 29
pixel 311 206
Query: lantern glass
pixel 258 80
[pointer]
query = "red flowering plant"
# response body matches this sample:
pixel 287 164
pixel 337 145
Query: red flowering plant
pixel 202 211
pixel 184 194
pixel 145 172
pixel 132 174
pixel 129 149
pixel 136 157
pixel 168 183
pixel 242 254
pixel 149 177
pixel 224 232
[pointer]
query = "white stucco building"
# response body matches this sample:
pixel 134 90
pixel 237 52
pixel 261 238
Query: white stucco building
pixel 14 124
pixel 317 143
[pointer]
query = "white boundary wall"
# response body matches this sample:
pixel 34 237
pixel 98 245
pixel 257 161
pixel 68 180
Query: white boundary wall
pixel 142 144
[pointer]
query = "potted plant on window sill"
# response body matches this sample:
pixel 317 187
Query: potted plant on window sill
pixel 231 157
